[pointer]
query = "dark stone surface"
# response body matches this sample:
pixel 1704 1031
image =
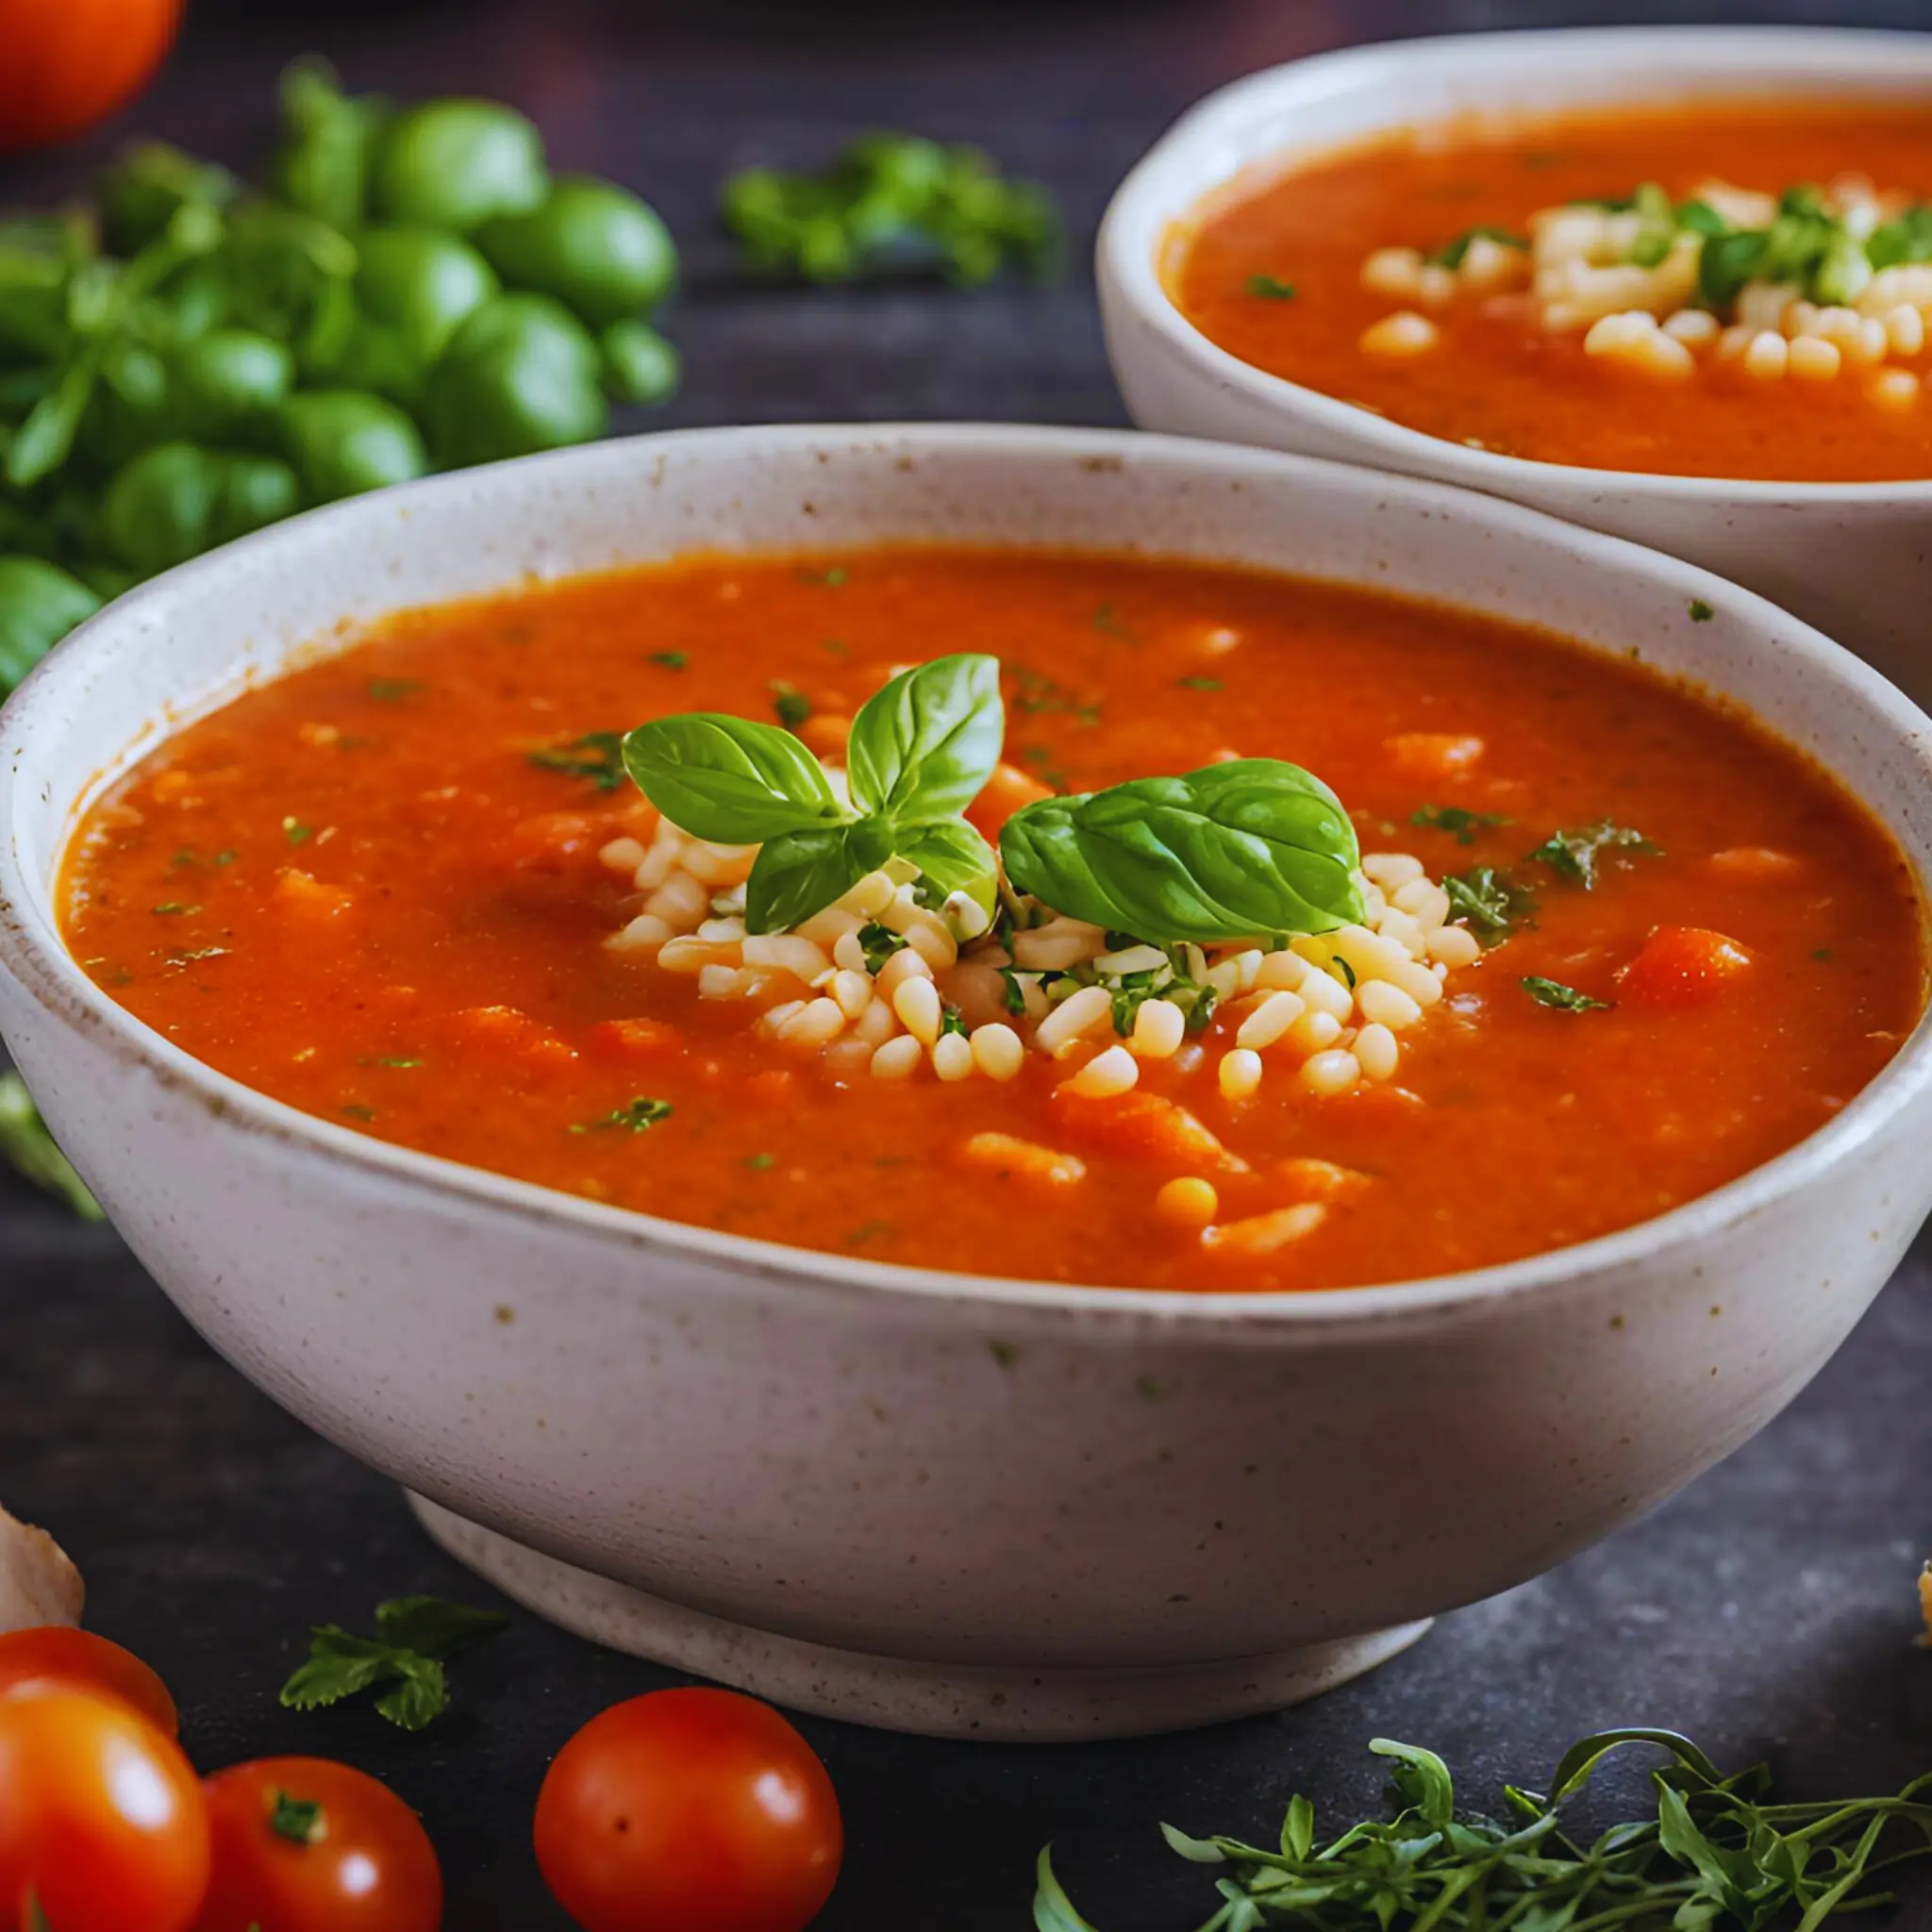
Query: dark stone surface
pixel 1767 1611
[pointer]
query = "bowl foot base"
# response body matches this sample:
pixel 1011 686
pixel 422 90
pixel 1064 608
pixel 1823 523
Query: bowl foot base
pixel 991 1703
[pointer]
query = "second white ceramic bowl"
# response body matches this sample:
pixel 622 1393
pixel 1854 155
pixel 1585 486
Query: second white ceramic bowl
pixel 946 1502
pixel 1854 559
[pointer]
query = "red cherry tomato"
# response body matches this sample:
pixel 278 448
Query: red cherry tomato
pixel 102 1819
pixel 1680 966
pixel 302 1845
pixel 689 1811
pixel 65 64
pixel 81 1659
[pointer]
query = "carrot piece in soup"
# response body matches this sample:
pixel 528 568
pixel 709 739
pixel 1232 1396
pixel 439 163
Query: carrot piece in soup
pixel 1144 1125
pixel 511 1032
pixel 1002 794
pixel 1681 966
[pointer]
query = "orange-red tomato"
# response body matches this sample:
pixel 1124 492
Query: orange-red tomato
pixel 65 64
pixel 302 1845
pixel 102 1821
pixel 1001 796
pixel 1680 966
pixel 689 1811
pixel 81 1659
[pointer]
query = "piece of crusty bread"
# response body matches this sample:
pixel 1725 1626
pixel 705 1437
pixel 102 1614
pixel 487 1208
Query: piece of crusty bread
pixel 38 1583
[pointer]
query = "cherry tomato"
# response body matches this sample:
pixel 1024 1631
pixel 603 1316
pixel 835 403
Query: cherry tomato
pixel 102 1819
pixel 82 1660
pixel 1681 966
pixel 689 1811
pixel 65 64
pixel 306 1845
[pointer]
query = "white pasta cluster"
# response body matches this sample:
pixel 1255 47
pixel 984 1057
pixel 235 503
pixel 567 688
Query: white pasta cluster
pixel 880 984
pixel 1644 315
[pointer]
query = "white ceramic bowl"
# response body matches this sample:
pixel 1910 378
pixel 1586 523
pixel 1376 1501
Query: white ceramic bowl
pixel 1854 559
pixel 935 1501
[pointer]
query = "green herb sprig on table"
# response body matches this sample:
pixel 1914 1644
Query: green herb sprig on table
pixel 418 1636
pixel 1717 1857
pixel 27 1147
pixel 892 203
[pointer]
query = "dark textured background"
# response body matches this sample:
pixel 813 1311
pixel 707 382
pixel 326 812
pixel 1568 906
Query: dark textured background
pixel 1769 1610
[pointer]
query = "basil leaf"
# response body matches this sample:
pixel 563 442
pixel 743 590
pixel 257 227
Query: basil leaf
pixel 923 747
pixel 729 779
pixel 955 858
pixel 798 873
pixel 1565 999
pixel 1232 850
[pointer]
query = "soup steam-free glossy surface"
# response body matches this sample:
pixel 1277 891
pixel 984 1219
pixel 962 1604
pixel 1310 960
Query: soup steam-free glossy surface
pixel 1505 382
pixel 353 889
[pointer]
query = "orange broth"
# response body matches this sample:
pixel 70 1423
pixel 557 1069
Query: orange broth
pixel 1502 382
pixel 351 889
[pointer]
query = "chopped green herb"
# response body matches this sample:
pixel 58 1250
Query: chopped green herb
pixel 951 1020
pixel 878 943
pixel 894 204
pixel 1457 821
pixel 393 690
pixel 37 1919
pixel 1107 621
pixel 825 580
pixel 1553 993
pixel 1822 952
pixel 597 756
pixel 356 1112
pixel 188 857
pixel 759 1163
pixel 866 1231
pixel 399 1065
pixel 791 704
pixel 1716 1853
pixel 1038 693
pixel 1657 225
pixel 299 1820
pixel 1346 971
pixel 418 1636
pixel 1491 902
pixel 1042 759
pixel 30 1150
pixel 1271 289
pixel 835 647
pixel 296 832
pixel 1700 218
pixel 1011 991
pixel 1573 856
pixel 1701 612
pixel 1451 254
pixel 1202 684
pixel 634 1116
pixel 672 660
pixel 175 909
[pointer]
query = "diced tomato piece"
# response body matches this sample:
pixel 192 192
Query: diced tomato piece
pixel 636 1040
pixel 556 840
pixel 308 898
pixel 771 1087
pixel 1681 966
pixel 1434 753
pixel 1001 795
pixel 511 1032
pixel 1144 1126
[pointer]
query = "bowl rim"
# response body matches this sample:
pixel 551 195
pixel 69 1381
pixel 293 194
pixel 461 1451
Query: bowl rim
pixel 1140 211
pixel 34 955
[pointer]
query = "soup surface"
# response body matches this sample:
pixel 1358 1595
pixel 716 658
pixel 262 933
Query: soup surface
pixel 1527 241
pixel 382 888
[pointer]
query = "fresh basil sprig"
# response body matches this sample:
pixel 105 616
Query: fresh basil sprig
pixel 920 749
pixel 1240 850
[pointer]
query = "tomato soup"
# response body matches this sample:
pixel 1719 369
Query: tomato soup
pixel 1706 289
pixel 1605 946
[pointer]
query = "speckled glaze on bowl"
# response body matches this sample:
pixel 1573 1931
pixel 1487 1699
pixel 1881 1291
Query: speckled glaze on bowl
pixel 1852 558
pixel 950 1502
